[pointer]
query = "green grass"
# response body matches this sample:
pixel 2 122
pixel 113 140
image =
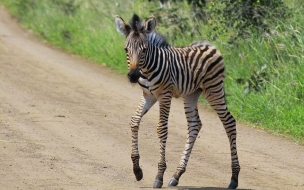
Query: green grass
pixel 278 104
pixel 86 29
pixel 264 73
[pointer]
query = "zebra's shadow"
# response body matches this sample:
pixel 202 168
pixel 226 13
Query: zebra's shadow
pixel 195 188
pixel 201 188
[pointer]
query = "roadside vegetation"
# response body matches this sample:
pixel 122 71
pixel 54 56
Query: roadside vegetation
pixel 262 43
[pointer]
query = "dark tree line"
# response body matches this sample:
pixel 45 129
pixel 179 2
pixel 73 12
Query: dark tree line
pixel 243 15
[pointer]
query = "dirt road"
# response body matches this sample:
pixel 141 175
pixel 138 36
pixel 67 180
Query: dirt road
pixel 64 124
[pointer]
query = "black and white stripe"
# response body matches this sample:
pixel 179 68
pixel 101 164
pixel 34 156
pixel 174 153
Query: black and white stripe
pixel 166 71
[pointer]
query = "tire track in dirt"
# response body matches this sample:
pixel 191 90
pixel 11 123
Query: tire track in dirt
pixel 64 124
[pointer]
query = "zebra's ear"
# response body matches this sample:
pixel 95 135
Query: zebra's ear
pixel 149 25
pixel 121 26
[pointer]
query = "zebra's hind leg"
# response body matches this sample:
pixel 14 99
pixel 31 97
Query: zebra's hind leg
pixel 216 98
pixel 194 126
pixel 146 102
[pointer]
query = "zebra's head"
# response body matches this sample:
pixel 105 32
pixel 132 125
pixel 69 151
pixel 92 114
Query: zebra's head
pixel 136 45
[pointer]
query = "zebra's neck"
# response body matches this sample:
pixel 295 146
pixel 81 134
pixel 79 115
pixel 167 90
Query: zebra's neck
pixel 155 61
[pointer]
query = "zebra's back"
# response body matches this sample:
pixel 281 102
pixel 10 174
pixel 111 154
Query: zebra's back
pixel 199 65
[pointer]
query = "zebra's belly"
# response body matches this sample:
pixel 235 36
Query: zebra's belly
pixel 178 92
pixel 157 90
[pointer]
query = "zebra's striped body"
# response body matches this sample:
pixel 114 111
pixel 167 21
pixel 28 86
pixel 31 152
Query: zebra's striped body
pixel 164 72
pixel 182 70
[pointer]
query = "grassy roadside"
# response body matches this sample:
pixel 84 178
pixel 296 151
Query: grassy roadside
pixel 80 28
pixel 264 83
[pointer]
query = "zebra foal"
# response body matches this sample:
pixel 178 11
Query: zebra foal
pixel 163 72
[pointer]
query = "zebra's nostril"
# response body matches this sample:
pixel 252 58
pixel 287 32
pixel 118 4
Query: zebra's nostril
pixel 133 75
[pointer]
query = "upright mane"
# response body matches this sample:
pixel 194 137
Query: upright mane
pixel 158 40
pixel 135 23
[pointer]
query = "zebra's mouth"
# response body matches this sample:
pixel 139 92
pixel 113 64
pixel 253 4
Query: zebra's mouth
pixel 134 75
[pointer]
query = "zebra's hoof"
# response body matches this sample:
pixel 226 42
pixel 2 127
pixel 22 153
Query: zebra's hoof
pixel 158 184
pixel 173 182
pixel 233 185
pixel 138 174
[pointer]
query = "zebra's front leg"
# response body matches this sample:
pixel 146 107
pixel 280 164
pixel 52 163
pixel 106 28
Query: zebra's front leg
pixel 146 102
pixel 162 132
pixel 194 126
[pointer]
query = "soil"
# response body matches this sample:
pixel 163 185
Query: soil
pixel 64 124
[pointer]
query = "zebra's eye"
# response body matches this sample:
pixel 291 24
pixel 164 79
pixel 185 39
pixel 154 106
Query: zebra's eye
pixel 126 50
pixel 144 50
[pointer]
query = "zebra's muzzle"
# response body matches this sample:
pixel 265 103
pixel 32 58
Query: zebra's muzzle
pixel 134 75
